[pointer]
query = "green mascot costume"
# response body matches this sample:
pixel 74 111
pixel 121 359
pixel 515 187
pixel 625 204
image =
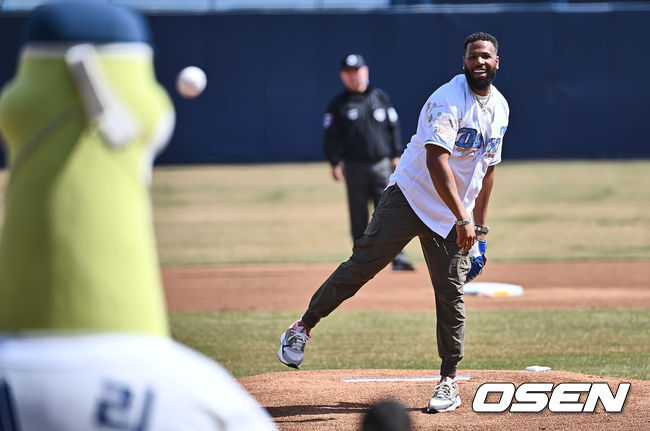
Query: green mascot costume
pixel 82 121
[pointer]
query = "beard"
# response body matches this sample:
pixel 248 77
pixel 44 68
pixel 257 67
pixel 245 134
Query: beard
pixel 482 83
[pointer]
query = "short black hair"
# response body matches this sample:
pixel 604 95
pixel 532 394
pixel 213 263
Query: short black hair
pixel 388 415
pixel 481 36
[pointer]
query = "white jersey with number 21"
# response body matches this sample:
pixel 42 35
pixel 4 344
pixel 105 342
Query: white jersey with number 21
pixel 118 382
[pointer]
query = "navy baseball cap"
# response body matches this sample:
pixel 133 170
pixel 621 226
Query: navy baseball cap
pixel 352 61
pixel 93 21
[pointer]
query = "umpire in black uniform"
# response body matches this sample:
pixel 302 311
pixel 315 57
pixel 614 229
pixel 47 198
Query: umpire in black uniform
pixel 362 143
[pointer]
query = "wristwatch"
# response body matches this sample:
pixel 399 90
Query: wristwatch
pixel 482 229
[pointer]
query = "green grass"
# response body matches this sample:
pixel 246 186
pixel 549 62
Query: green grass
pixel 276 213
pixel 573 210
pixel 601 342
pixel 250 214
pixel 539 211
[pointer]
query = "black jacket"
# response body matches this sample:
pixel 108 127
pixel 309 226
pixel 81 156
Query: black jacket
pixel 361 127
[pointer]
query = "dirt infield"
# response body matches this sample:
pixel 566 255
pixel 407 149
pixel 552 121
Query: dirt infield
pixel 323 401
pixel 288 287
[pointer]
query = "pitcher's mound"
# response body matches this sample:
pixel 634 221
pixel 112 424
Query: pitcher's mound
pixel 336 400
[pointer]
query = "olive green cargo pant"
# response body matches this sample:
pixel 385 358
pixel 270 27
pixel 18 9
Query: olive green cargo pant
pixel 392 226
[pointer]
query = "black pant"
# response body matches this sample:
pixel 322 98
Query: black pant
pixel 365 182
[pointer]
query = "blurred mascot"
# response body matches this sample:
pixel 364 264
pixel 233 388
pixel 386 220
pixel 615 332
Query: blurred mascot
pixel 84 338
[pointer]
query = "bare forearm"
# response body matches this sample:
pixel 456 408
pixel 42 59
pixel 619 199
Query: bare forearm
pixel 483 198
pixel 445 184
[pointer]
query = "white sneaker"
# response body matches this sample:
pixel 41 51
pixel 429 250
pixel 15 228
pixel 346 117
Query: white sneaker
pixel 446 396
pixel 292 345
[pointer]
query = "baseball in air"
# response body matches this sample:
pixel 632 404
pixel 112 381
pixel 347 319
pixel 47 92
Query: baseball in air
pixel 191 82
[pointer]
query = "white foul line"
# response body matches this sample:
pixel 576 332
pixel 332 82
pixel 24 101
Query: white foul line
pixel 400 379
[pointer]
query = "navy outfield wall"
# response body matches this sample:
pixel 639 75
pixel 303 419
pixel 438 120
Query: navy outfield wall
pixel 577 83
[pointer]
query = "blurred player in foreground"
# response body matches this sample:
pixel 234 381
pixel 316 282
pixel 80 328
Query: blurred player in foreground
pixel 445 174
pixel 84 341
pixel 386 415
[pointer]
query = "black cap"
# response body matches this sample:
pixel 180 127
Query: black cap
pixel 352 61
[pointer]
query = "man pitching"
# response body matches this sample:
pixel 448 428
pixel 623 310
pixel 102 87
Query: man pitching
pixel 444 177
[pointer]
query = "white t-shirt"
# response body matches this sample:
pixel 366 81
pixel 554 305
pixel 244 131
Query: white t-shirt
pixel 454 119
pixel 119 382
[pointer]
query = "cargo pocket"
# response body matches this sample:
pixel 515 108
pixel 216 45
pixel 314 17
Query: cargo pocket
pixel 373 226
pixel 463 265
